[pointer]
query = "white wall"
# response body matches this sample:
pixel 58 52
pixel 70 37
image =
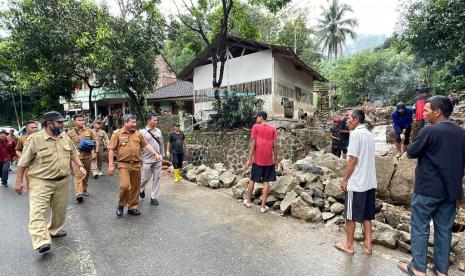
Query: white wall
pixel 285 72
pixel 252 67
pixel 267 104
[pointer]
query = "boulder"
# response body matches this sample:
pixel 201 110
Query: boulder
pixel 332 189
pixel 239 189
pixel 306 165
pixel 327 215
pixel 191 175
pixel 305 177
pixel 219 167
pixel 270 199
pixel 385 167
pixel 200 169
pixel 227 179
pixel 337 208
pixel 298 190
pixel 257 189
pixel 331 162
pixel 328 174
pixel 306 197
pixel 286 202
pixel 331 200
pixel 188 167
pixel 301 210
pixel 212 178
pixel 327 206
pixel 315 184
pixel 318 202
pixel 396 216
pixel 283 185
pixel 318 193
pixel 384 234
pixel 402 182
pixel 286 167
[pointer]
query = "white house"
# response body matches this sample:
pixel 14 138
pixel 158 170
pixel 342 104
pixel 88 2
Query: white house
pixel 274 74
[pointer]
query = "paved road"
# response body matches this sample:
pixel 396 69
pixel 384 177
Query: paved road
pixel 195 231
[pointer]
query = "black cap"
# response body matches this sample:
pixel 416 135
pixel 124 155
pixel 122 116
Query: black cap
pixel 53 116
pixel 422 88
pixel 262 114
pixel 176 124
pixel 400 107
pixel 3 131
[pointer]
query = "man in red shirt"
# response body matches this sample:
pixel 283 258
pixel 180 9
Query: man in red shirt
pixel 264 151
pixel 420 105
pixel 7 152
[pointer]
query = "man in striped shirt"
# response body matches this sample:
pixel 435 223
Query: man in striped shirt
pixel 359 183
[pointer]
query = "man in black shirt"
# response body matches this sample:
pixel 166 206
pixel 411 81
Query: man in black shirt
pixel 440 149
pixel 176 147
pixel 344 134
pixel 336 141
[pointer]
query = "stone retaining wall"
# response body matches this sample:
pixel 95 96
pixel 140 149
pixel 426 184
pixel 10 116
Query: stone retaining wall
pixel 231 148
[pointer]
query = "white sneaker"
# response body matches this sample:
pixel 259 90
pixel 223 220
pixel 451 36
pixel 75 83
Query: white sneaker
pixel 264 209
pixel 247 204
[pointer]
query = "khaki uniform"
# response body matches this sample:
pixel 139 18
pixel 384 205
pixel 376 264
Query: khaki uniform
pixel 22 143
pixel 102 139
pixel 48 161
pixel 80 184
pixel 127 146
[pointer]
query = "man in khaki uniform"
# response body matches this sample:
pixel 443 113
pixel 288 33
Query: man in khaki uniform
pixel 31 128
pixel 102 139
pixel 76 134
pixel 127 143
pixel 47 155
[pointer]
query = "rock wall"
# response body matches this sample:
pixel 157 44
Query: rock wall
pixel 231 148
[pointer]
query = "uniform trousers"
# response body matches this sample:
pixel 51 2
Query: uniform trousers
pixel 129 184
pixel 151 171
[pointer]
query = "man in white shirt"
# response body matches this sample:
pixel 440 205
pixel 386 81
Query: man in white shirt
pixel 151 166
pixel 359 183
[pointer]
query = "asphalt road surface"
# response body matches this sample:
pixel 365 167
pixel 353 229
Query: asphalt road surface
pixel 194 231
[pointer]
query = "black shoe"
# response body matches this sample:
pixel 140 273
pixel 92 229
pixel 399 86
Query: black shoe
pixel 44 248
pixel 5 184
pixel 80 198
pixel 142 194
pixel 154 201
pixel 95 176
pixel 119 211
pixel 60 234
pixel 134 212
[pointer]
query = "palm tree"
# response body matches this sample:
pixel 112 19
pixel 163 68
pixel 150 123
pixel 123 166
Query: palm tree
pixel 333 28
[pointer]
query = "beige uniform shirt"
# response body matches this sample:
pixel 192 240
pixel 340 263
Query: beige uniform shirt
pixel 127 145
pixel 102 139
pixel 48 157
pixel 85 133
pixel 21 142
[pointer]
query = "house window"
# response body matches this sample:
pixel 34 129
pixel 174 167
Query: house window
pixel 298 93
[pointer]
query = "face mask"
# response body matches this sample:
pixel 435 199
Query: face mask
pixel 56 130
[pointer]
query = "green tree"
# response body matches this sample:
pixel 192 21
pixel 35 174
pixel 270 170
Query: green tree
pixel 136 41
pixel 383 75
pixel 433 31
pixel 334 28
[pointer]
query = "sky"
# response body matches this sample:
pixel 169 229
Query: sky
pixel 376 17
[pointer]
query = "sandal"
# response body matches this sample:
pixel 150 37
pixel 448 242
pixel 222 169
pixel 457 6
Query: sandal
pixel 409 269
pixel 340 246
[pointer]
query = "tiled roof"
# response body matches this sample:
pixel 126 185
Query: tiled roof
pixel 179 89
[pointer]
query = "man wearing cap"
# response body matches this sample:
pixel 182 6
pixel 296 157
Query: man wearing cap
pixel 102 140
pixel 48 155
pixel 151 166
pixel 77 134
pixel 420 105
pixel 31 128
pixel 402 119
pixel 128 143
pixel 336 141
pixel 264 151
pixel 177 146
pixel 7 153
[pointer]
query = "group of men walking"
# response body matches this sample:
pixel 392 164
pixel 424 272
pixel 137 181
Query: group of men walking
pixel 45 158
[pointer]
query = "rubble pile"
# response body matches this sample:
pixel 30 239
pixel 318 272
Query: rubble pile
pixel 309 190
pixel 458 116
